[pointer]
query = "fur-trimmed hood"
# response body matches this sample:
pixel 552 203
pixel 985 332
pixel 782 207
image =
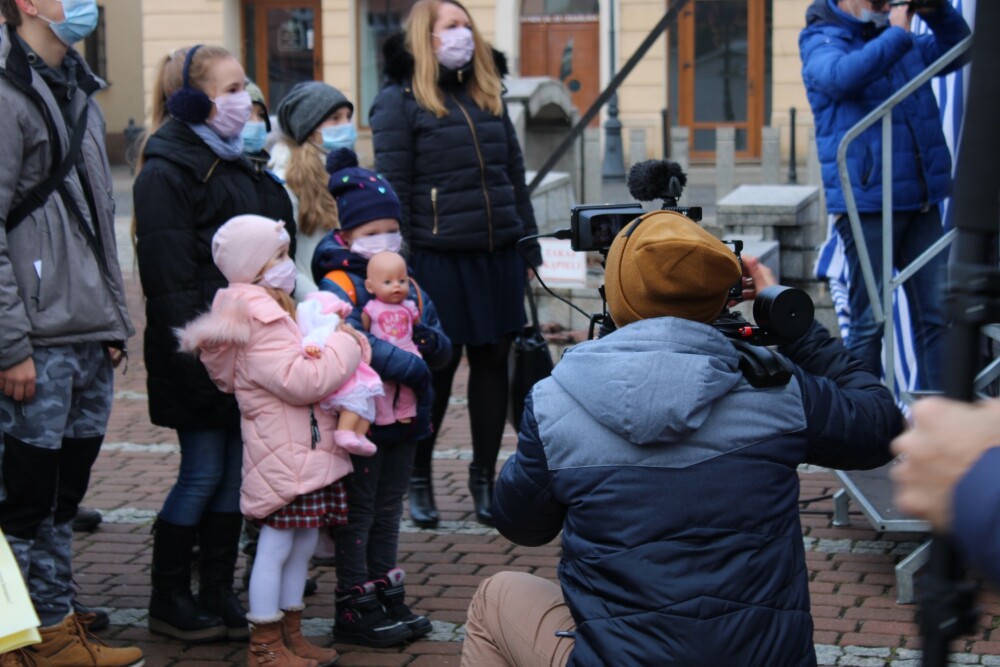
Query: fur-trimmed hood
pixel 215 337
pixel 399 64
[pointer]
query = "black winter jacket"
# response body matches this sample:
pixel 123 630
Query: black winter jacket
pixel 183 194
pixel 460 178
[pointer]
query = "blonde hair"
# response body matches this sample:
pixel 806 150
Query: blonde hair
pixel 307 178
pixel 170 79
pixel 484 85
pixel 284 300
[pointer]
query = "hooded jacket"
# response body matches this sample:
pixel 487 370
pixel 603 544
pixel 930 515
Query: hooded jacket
pixel 183 194
pixel 849 68
pixel 675 485
pixel 977 515
pixel 390 362
pixel 460 178
pixel 55 288
pixel 253 349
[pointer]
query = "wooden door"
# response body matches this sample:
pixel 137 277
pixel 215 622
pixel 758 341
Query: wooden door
pixel 567 48
pixel 282 45
pixel 721 47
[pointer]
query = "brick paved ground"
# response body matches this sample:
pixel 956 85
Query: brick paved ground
pixel 858 622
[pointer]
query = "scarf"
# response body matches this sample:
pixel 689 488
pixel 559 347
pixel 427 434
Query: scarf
pixel 227 149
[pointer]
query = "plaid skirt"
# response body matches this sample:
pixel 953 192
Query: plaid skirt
pixel 323 507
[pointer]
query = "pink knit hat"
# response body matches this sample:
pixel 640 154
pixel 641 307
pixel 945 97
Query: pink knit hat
pixel 243 245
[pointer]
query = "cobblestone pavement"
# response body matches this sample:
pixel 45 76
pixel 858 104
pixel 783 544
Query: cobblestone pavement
pixel 858 622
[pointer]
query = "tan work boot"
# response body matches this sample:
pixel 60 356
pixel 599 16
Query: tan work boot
pixel 267 647
pixel 70 645
pixel 291 626
pixel 22 658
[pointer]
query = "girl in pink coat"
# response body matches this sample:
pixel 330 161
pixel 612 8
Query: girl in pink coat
pixel 251 346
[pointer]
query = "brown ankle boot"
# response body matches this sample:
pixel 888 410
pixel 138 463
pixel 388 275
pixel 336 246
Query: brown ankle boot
pixel 299 645
pixel 70 645
pixel 267 648
pixel 22 658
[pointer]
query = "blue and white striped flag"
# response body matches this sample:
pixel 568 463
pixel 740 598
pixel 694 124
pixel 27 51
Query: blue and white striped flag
pixel 830 265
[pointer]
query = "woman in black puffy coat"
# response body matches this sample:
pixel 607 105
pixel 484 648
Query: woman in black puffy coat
pixel 194 177
pixel 444 140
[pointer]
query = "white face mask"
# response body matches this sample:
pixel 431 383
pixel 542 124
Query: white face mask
pixel 368 246
pixel 456 47
pixel 280 276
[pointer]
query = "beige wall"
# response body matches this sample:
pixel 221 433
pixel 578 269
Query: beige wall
pixel 644 93
pixel 120 100
pixel 789 17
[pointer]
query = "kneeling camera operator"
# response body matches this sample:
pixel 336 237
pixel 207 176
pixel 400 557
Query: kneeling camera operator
pixel 671 476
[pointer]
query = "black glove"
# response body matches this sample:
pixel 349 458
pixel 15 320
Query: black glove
pixel 426 340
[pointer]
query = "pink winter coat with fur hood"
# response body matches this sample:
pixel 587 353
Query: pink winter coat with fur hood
pixel 253 348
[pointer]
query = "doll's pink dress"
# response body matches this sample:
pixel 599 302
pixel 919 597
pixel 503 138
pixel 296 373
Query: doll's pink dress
pixel 393 323
pixel 317 318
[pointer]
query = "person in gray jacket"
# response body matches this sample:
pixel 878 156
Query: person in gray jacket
pixel 62 304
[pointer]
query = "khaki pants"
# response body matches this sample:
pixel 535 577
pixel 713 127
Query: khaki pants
pixel 512 622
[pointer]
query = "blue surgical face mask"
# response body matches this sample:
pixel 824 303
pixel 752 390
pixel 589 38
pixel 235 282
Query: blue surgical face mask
pixel 879 19
pixel 254 136
pixel 80 19
pixel 339 136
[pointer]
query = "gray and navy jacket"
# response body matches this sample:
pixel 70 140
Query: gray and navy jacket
pixel 675 485
pixel 849 68
pixel 55 288
pixel 460 178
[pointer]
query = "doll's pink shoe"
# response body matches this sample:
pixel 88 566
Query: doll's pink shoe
pixel 354 444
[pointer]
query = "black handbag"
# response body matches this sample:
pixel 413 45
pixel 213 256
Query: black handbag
pixel 530 362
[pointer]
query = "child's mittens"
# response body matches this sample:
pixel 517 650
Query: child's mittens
pixel 355 444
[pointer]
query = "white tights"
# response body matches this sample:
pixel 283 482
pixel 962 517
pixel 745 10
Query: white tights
pixel 280 569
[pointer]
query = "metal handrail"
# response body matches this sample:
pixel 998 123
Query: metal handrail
pixel 884 111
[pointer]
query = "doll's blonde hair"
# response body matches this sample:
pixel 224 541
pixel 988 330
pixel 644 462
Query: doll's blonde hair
pixel 484 85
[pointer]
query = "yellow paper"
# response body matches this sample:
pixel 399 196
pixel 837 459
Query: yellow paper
pixel 18 620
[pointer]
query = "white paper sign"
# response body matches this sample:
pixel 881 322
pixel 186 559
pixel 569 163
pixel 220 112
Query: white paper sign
pixel 561 266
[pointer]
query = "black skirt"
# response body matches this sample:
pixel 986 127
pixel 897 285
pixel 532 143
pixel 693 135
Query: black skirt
pixel 479 295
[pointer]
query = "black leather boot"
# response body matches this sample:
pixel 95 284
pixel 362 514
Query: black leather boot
pixel 422 509
pixel 481 490
pixel 219 535
pixel 173 611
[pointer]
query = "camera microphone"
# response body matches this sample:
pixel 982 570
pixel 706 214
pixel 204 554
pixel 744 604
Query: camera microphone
pixel 656 179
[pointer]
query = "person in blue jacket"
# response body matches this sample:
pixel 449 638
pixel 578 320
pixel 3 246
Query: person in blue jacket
pixel 855 55
pixel 673 480
pixel 949 463
pixel 371 600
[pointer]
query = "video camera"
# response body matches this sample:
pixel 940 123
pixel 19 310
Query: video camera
pixel 781 314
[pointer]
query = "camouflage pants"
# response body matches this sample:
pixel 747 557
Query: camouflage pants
pixel 47 448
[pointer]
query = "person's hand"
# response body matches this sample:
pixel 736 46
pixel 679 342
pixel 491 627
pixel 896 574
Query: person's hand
pixel 947 438
pixel 901 16
pixel 116 356
pixel 18 381
pixel 348 329
pixel 313 351
pixel 756 277
pixel 426 340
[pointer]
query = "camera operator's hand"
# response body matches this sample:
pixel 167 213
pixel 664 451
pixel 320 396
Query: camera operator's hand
pixel 900 16
pixel 756 277
pixel 947 438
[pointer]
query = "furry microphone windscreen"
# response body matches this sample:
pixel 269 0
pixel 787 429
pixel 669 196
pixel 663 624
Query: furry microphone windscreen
pixel 650 180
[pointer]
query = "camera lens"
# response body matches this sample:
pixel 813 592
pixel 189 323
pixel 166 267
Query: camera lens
pixel 785 312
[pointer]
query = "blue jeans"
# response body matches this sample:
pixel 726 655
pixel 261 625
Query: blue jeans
pixel 912 233
pixel 209 476
pixel 367 546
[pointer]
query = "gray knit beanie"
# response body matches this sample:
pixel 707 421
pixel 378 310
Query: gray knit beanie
pixel 307 105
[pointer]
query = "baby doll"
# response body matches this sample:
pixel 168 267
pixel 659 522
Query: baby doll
pixel 318 315
pixel 390 316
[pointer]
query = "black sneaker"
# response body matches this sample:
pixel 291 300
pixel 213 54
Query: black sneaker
pixel 86 520
pixel 391 594
pixel 362 620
